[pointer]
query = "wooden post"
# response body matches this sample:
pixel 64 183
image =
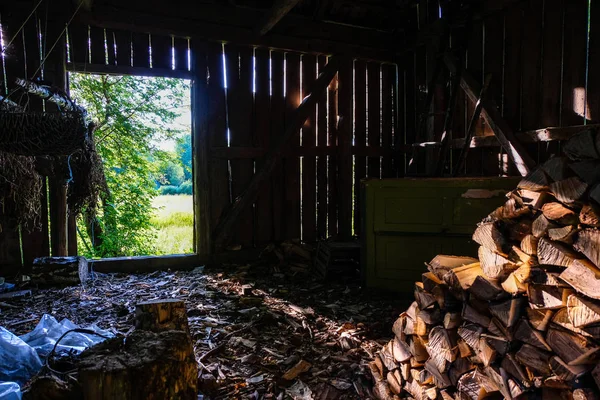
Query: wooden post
pixel 58 217
pixel 344 131
pixel 200 142
pixel 248 195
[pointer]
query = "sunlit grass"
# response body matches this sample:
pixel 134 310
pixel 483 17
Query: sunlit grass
pixel 174 221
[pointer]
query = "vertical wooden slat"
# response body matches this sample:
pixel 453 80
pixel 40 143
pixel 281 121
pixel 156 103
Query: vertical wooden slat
pixel 360 132
pixel 332 162
pixel 410 103
pixel 239 117
pixel 78 43
pixel 97 49
pixel 200 147
pixel 531 64
pixel 180 46
pixel 594 63
pixel 400 139
pixel 474 64
pixel 387 115
pixel 374 122
pixel 512 70
pixel 344 194
pixel 309 172
pixel 141 49
pixel 162 51
pixel 71 236
pixel 292 164
pixel 262 129
pixel 322 195
pixel 111 52
pixel 277 126
pixel 124 47
pixel 575 39
pixel 217 131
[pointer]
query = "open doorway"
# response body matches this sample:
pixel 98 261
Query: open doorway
pixel 143 136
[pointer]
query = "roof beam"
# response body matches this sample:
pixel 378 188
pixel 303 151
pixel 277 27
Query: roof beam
pixel 278 11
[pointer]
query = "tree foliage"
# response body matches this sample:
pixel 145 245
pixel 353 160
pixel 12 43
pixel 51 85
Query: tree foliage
pixel 132 115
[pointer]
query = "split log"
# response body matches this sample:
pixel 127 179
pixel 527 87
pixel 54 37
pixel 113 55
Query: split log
pixel 547 297
pixel 582 146
pixel 596 375
pixel 161 315
pixel 590 215
pixel 574 349
pixel 563 234
pixel 461 278
pixel 147 365
pixel 393 383
pixel 557 168
pixel 566 372
pixel 471 334
pixel 486 289
pixel 540 226
pixel 472 315
pixel 535 358
pixel 508 312
pixel 509 211
pixel 513 285
pixel 584 277
pixel 489 236
pixel 494 265
pixel 569 190
pixel 554 253
pixel 536 181
pixel 529 244
pixel 422 297
pixel 588 243
pixel 588 171
pixel 526 334
pixel 442 264
pixel 452 320
pixel 560 214
pixel 49 271
pixel 533 199
pixel 582 312
pixel 539 319
pixel 400 350
pixel 515 369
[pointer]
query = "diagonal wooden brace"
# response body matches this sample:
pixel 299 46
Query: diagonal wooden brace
pixel 249 194
pixel 493 118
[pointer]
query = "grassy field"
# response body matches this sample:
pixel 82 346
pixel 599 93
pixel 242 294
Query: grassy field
pixel 174 220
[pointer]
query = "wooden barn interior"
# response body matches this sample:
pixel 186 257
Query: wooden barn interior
pixel 392 199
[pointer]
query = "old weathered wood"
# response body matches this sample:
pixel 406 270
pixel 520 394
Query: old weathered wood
pixel 588 243
pixel 582 312
pixel 555 253
pixel 51 271
pixel 494 265
pixel 503 132
pixel 148 365
pixel 344 140
pixel 248 195
pixel 161 315
pixel 584 277
pixel 574 349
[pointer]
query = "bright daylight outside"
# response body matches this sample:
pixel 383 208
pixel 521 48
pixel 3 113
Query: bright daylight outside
pixel 143 136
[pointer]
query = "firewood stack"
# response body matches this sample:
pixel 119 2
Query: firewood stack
pixel 523 321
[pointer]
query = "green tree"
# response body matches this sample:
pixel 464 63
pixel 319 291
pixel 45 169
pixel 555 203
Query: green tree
pixel 132 114
pixel 184 153
pixel 174 174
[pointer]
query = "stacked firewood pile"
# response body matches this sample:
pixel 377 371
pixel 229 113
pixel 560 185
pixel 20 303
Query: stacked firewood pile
pixel 523 321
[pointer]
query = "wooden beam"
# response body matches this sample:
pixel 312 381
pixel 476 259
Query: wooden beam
pixel 493 118
pixel 249 194
pixel 278 11
pixel 233 153
pixel 128 70
pixel 217 22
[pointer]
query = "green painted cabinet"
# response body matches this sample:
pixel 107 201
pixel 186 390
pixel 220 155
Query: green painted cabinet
pixel 407 222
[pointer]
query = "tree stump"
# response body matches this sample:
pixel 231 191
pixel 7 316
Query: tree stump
pixel 51 271
pixel 144 366
pixel 161 315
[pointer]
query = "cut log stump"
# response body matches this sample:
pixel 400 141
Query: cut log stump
pixel 144 366
pixel 161 315
pixel 59 271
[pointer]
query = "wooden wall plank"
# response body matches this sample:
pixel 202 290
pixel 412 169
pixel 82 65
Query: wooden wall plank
pixel 162 51
pixel 594 63
pixel 97 49
pixel 410 102
pixel 239 64
pixel 574 77
pixel 531 64
pixel 141 49
pixel 262 129
pixel 291 165
pixel 388 80
pixel 78 43
pixel 217 127
pixel 374 120
pixel 180 46
pixel 322 131
pixel 344 131
pixel 309 172
pixel 399 121
pixel 474 64
pixel 512 70
pixel 277 127
pixel 124 48
pixel 332 165
pixel 360 132
pixel 111 52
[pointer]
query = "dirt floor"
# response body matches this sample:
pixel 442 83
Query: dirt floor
pixel 259 331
